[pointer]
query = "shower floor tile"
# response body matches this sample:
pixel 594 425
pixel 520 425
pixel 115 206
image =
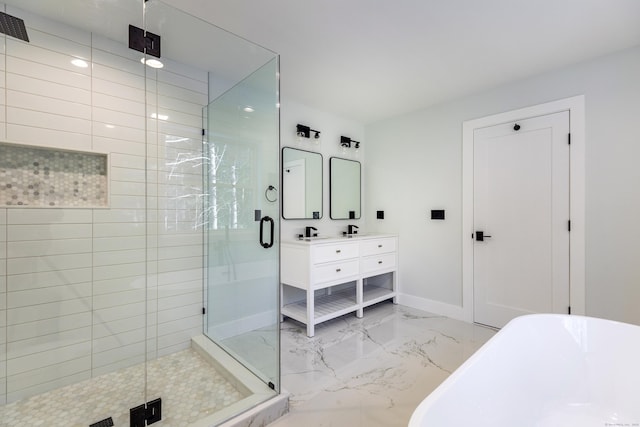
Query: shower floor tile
pixel 374 371
pixel 189 386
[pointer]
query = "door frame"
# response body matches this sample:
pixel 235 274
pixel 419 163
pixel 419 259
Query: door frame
pixel 575 106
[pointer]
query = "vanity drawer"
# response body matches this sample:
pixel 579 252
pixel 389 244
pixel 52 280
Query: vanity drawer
pixel 335 271
pixel 378 262
pixel 378 246
pixel 334 252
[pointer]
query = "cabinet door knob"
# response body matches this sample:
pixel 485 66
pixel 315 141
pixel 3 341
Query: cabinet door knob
pixel 338 270
pixel 337 251
pixel 379 246
pixel 379 262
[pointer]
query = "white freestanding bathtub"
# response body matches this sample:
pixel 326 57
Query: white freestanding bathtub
pixel 544 370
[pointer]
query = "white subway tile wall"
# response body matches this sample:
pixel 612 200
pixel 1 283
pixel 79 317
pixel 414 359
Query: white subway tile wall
pixel 3 305
pixel 85 291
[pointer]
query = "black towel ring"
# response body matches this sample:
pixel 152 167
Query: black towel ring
pixel 266 193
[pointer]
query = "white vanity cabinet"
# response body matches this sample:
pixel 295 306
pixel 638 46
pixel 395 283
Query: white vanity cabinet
pixel 378 256
pixel 326 278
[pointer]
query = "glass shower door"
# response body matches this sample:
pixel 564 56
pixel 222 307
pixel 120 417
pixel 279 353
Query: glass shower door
pixel 242 213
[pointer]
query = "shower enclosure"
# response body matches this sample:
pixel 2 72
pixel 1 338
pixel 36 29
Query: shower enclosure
pixel 138 216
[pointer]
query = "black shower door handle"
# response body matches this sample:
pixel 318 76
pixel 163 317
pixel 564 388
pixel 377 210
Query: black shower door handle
pixel 262 242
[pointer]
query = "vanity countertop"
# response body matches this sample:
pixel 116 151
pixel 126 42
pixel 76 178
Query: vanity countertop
pixel 336 239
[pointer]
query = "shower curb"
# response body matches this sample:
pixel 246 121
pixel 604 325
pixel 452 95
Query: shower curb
pixel 259 408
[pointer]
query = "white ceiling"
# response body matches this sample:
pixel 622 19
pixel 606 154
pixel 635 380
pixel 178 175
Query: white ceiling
pixel 372 59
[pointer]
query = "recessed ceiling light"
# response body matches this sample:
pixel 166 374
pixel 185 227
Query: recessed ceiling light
pixel 80 63
pixel 153 63
pixel 248 109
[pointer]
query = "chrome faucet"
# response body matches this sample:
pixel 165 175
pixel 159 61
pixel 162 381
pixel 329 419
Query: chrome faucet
pixel 307 232
pixel 351 229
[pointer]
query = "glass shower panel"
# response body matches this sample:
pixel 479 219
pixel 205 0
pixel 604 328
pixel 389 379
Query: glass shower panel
pixel 176 91
pixel 242 223
pixel 74 265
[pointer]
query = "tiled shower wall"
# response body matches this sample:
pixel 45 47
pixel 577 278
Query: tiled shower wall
pixel 74 282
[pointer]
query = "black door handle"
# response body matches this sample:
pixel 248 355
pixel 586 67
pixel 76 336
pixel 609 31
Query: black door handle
pixel 480 236
pixel 262 242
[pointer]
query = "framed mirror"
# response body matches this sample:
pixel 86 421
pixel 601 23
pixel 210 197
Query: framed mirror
pixel 344 188
pixel 301 184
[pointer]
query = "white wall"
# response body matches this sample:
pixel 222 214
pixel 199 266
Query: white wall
pixel 414 165
pixel 331 128
pixel 72 294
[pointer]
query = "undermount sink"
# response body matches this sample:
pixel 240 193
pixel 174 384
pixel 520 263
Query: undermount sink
pixel 350 236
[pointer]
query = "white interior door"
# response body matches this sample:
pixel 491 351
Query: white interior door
pixel 521 205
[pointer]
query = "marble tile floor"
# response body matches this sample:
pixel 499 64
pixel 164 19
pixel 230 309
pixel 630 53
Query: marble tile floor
pixel 189 386
pixel 372 371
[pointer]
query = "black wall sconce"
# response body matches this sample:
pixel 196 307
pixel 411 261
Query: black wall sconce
pixel 305 132
pixel 346 142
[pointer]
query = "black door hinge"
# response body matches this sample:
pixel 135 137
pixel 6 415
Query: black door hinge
pixel 204 310
pixel 203 132
pixel 144 41
pixel 569 225
pixel 144 415
pixel 569 139
pixel 569 310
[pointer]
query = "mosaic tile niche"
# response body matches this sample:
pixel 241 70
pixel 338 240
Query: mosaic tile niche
pixel 46 177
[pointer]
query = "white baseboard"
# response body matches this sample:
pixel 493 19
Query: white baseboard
pixel 436 307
